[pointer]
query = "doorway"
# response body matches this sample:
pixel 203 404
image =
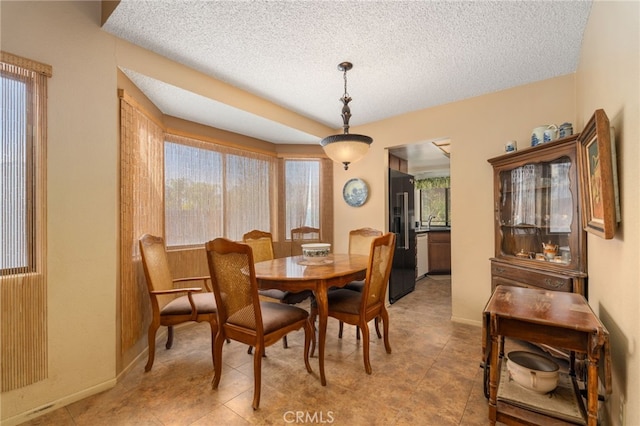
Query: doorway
pixel 429 165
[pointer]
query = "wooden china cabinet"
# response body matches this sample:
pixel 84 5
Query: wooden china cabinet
pixel 537 205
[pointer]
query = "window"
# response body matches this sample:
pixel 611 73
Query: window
pixel 213 191
pixel 23 274
pixel 435 201
pixel 14 189
pixel 302 189
pixel 193 198
pixel 22 165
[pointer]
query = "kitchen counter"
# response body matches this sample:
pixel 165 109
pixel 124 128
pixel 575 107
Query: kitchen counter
pixel 433 229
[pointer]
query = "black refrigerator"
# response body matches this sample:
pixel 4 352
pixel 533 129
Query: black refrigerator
pixel 401 212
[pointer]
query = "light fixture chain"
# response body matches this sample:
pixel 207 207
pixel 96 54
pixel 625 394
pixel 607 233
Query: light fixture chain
pixel 346 94
pixel 346 111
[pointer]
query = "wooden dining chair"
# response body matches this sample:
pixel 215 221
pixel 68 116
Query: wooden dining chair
pixel 360 243
pixel 261 243
pixel 171 305
pixel 358 308
pixel 303 235
pixel 242 315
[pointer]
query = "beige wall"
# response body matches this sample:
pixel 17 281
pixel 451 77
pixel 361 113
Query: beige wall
pixel 83 182
pixel 608 77
pixel 82 195
pixel 478 128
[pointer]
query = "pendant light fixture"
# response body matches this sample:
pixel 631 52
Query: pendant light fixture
pixel 346 148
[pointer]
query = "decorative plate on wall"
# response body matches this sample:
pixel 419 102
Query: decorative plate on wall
pixel 355 192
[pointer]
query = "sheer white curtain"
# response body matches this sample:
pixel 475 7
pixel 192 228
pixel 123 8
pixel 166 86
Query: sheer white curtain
pixel 215 191
pixel 302 186
pixel 523 182
pixel 560 212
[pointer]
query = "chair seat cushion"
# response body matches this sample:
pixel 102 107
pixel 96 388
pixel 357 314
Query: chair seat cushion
pixel 355 286
pixel 288 297
pixel 205 304
pixel 343 300
pixel 278 315
pixel 274 316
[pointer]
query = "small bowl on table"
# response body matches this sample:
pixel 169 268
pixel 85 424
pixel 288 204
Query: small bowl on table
pixel 315 253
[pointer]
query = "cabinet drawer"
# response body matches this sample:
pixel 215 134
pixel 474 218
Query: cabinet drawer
pixel 504 274
pixel 439 237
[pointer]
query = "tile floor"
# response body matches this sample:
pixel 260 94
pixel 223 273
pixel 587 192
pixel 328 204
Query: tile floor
pixel 432 377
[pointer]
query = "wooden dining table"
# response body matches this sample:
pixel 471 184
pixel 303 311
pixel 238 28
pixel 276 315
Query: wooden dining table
pixel 295 274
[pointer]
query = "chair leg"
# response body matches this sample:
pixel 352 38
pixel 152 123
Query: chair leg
pixel 153 328
pixel 285 344
pixel 264 353
pixel 365 347
pixel 377 321
pixel 385 326
pixel 308 335
pixel 217 356
pixel 257 375
pixel 214 332
pixel 312 320
pixel 357 333
pixel 169 337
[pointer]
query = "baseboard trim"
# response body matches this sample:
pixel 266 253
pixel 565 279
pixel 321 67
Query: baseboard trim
pixel 466 321
pixel 59 403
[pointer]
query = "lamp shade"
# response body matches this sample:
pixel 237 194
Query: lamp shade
pixel 346 148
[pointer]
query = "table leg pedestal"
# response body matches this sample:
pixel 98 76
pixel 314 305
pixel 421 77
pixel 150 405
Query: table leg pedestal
pixel 323 312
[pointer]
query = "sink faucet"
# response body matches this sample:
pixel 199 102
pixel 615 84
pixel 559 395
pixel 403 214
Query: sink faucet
pixel 429 219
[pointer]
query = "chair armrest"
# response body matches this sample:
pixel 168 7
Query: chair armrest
pixel 178 290
pixel 206 280
pixel 178 280
pixel 189 291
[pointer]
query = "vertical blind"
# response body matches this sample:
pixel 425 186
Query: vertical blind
pixel 141 211
pixel 23 221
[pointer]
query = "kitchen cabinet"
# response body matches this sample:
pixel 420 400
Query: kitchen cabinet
pixel 439 252
pixel 399 164
pixel 540 240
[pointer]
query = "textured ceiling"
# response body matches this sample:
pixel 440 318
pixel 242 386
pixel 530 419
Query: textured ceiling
pixel 407 55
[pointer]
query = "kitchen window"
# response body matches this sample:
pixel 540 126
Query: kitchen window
pixel 435 201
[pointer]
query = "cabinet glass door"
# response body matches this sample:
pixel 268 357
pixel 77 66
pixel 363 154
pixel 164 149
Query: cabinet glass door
pixel 536 211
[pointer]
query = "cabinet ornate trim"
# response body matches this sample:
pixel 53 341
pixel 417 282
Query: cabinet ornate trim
pixel 536 204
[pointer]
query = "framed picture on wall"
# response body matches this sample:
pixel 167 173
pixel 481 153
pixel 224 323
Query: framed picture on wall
pixel 599 179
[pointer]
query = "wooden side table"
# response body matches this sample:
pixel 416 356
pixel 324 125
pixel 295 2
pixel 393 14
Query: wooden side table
pixel 547 317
